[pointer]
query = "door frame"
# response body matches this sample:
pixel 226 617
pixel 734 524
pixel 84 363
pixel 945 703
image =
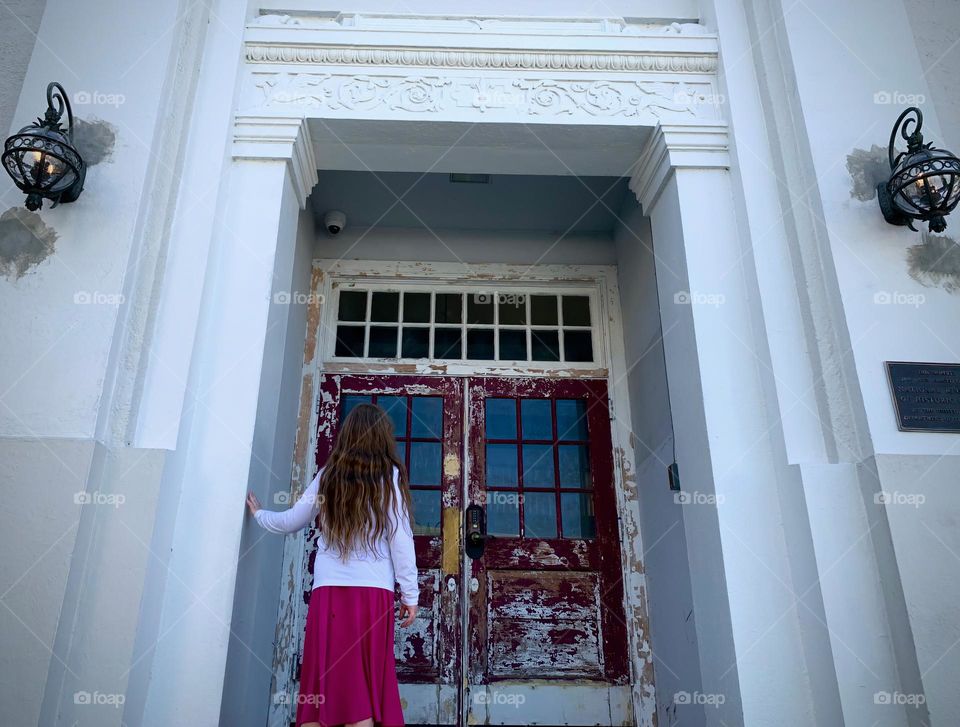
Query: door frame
pixel 610 364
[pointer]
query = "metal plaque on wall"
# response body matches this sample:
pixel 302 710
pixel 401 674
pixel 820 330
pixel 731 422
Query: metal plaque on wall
pixel 926 396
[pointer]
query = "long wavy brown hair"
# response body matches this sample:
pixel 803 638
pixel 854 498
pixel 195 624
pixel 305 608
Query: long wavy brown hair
pixel 356 486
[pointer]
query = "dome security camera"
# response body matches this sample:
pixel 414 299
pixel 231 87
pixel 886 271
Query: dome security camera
pixel 334 221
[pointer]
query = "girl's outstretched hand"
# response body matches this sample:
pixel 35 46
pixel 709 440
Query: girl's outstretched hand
pixel 407 613
pixel 253 504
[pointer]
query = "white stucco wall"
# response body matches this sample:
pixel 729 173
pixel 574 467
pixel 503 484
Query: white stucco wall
pixel 924 517
pixel 841 57
pixel 19 22
pixel 74 295
pixel 870 255
pixel 465 246
pixel 74 573
pixel 672 9
pixel 936 27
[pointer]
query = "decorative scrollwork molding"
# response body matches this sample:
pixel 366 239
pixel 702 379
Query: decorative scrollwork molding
pixel 645 101
pixel 481 58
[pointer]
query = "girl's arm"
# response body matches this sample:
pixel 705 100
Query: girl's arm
pixel 296 517
pixel 401 548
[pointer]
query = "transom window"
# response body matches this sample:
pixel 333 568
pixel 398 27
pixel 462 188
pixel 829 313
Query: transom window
pixel 464 326
pixel 538 480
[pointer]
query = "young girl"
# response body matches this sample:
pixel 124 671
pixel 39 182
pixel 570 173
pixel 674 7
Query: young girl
pixel 362 504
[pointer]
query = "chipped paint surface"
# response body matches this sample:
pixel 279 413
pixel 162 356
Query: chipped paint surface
pixel 550 609
pixel 551 648
pixel 427 651
pixel 451 465
pixel 636 591
pixel 455 369
pixel 538 621
pixel 451 540
pixel 643 703
pixel 303 423
pixel 544 624
pixel 314 309
pixel 297 570
pixel 416 646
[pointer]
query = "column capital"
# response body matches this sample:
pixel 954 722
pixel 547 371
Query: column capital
pixel 673 146
pixel 279 138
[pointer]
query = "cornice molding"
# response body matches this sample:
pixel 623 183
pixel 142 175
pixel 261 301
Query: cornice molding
pixel 676 146
pixel 278 138
pixel 477 24
pixel 646 61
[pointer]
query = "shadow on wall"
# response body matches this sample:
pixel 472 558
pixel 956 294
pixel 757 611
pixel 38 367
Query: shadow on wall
pixel 94 140
pixel 935 261
pixel 25 239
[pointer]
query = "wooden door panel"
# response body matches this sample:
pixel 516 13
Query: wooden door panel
pixel 545 599
pixel 544 625
pixel 540 555
pixel 428 416
pixel 550 599
pixel 535 649
pixel 536 595
pixel 416 646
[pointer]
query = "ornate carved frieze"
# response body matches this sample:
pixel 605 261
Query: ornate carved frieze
pixel 637 100
pixel 460 68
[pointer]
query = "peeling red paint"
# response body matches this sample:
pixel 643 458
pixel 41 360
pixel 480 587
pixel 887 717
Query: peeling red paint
pixel 428 651
pixel 549 607
pixel 545 608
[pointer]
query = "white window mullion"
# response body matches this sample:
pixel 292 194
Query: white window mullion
pixel 524 300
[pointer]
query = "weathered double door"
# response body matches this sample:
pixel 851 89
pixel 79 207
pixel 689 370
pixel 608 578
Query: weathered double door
pixel 521 610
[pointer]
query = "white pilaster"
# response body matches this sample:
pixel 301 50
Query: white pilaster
pixel 747 617
pixel 267 184
pixel 677 146
pixel 278 137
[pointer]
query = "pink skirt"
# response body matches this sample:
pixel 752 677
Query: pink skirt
pixel 349 673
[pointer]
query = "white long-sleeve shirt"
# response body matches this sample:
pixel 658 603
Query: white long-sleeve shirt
pixel 392 560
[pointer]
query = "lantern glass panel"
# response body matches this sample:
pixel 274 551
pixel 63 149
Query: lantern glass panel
pixel 65 182
pixel 13 168
pixel 926 182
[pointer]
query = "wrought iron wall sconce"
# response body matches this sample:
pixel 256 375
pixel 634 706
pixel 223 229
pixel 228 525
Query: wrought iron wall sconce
pixel 41 157
pixel 924 181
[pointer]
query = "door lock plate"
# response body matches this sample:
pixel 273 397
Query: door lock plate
pixel 476 528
